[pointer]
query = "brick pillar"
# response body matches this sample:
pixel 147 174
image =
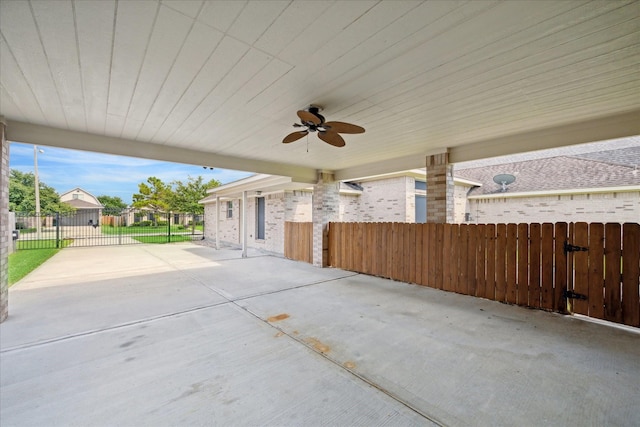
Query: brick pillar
pixel 439 189
pixel 4 223
pixel 326 200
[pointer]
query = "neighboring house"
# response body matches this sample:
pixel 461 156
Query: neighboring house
pixel 88 208
pixel 274 200
pixel 591 187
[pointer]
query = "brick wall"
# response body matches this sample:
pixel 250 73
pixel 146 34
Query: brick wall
pixel 229 227
pixel 298 205
pixel 599 207
pixel 440 189
pixel 4 225
pixel 349 208
pixel 279 207
pixel 460 203
pixel 388 200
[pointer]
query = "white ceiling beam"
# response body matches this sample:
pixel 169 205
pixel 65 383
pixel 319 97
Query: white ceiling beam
pixel 44 135
pixel 384 167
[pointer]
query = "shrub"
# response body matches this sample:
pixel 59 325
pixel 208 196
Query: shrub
pixel 146 223
pixel 162 223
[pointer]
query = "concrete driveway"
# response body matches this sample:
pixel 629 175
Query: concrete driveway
pixel 186 335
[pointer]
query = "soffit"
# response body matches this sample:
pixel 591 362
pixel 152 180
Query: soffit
pixel 218 83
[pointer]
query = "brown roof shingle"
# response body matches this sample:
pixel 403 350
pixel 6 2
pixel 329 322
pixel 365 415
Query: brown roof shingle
pixel 555 173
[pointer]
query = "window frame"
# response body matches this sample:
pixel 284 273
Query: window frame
pixel 229 209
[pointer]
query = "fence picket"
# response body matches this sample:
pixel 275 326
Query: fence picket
pixel 511 263
pixel 612 272
pixel 596 270
pixel 430 256
pixel 454 230
pixel 560 267
pixel 471 260
pixel 481 254
pixel 490 289
pixel 631 274
pixel 501 271
pixel 419 251
pixel 546 277
pixel 535 244
pixel 439 254
pixel 581 266
pixel 388 256
pixel 523 265
pixel 463 253
pixel 409 260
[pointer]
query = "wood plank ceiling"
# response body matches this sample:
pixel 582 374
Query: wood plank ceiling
pixel 222 80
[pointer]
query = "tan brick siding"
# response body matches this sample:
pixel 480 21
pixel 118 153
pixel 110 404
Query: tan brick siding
pixel 387 200
pixel 599 207
pixel 460 203
pixel 279 207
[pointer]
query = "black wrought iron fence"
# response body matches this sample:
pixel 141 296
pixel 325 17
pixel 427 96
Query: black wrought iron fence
pixel 101 227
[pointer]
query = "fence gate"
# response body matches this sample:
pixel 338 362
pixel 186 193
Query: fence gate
pixel 604 262
pixel 98 227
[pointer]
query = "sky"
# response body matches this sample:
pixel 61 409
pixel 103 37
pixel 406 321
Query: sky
pixel 105 174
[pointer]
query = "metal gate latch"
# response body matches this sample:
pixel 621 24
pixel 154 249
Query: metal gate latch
pixel 572 248
pixel 572 294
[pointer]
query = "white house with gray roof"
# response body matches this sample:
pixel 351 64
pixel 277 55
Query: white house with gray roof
pixel 88 207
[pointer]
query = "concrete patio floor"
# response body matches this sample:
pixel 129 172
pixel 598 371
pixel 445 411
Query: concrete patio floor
pixel 186 335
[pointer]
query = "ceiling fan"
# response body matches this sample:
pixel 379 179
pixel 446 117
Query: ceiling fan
pixel 329 132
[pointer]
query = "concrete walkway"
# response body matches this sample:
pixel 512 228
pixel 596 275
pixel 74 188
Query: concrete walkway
pixel 186 335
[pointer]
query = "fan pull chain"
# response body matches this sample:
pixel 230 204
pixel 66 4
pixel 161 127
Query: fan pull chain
pixel 307 143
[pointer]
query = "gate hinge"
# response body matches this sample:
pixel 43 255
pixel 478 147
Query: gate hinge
pixel 572 248
pixel 573 295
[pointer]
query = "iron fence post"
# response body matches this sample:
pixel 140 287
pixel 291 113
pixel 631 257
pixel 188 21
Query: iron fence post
pixel 57 230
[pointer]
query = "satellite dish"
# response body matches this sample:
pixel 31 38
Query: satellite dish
pixel 504 179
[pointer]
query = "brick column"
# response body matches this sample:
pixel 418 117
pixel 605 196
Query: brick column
pixel 326 200
pixel 4 223
pixel 439 189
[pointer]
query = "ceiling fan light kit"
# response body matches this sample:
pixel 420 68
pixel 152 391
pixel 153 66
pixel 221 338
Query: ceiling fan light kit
pixel 329 132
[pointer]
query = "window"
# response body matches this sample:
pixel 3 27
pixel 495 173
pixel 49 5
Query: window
pixel 260 218
pixel 421 209
pixel 77 196
pixel 421 185
pixel 229 209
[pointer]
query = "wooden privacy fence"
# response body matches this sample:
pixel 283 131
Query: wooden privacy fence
pixel 590 269
pixel 298 241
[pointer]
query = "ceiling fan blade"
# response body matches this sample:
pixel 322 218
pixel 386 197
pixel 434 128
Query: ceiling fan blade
pixel 342 127
pixel 332 138
pixel 294 136
pixel 306 117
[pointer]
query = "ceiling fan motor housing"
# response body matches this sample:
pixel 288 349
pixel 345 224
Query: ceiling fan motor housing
pixel 315 110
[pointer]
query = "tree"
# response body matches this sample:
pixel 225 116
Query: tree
pixel 112 204
pixel 185 196
pixel 22 197
pixel 156 195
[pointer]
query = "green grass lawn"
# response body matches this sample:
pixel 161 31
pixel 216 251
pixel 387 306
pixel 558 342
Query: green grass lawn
pixel 43 244
pixel 24 262
pixel 162 239
pixel 106 229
